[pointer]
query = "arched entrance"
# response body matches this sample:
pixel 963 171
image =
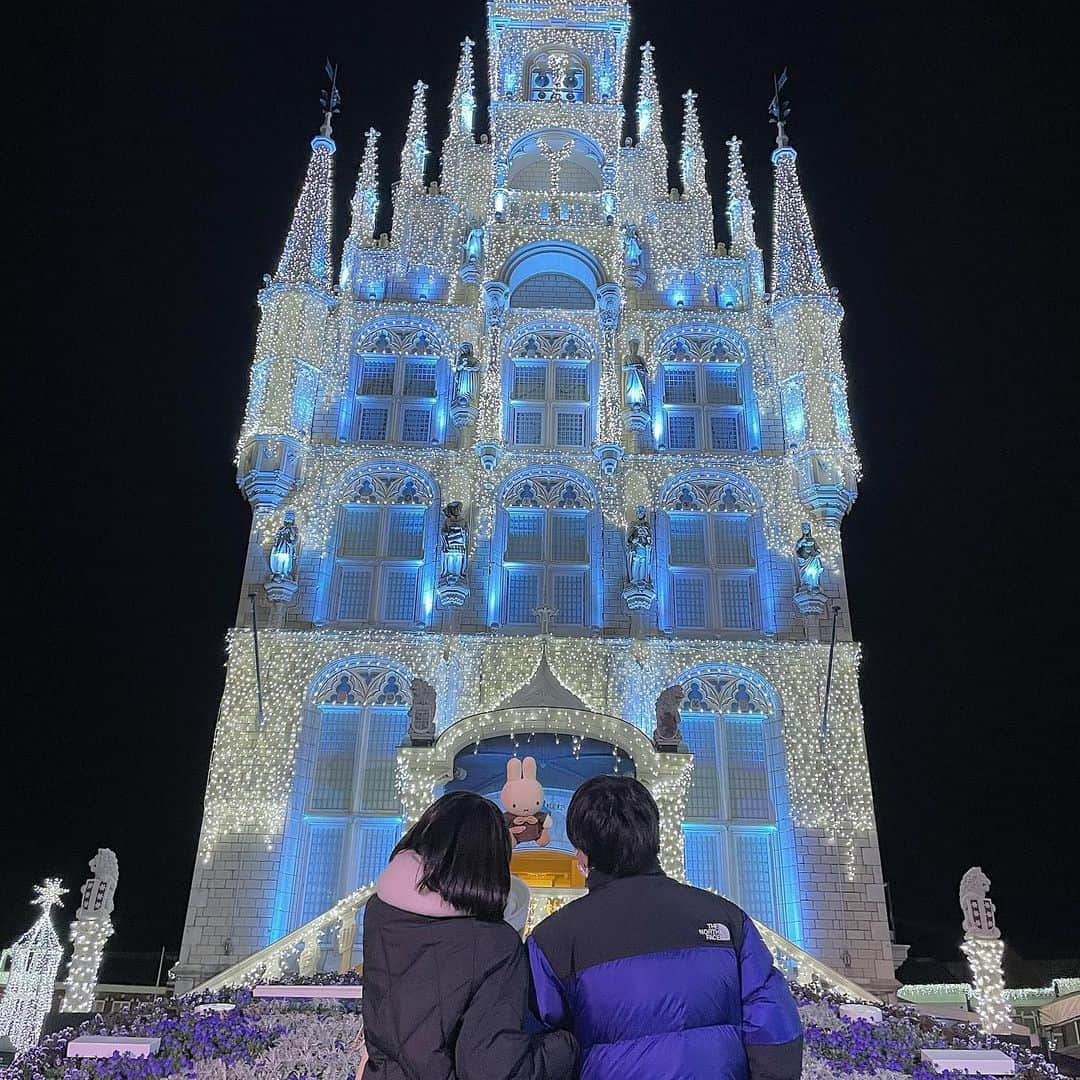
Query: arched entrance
pixel 562 765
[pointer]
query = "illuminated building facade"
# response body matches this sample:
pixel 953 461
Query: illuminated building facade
pixel 446 446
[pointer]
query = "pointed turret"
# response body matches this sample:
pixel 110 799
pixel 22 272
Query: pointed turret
pixel 649 118
pixel 796 265
pixel 463 102
pixel 415 151
pixel 306 258
pixel 364 207
pixel 740 210
pixel 692 157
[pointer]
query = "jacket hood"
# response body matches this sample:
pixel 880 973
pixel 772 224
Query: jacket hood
pixel 399 886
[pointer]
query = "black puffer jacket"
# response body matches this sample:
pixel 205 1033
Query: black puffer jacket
pixel 447 999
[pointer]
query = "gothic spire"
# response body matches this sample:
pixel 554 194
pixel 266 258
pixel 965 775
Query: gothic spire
pixel 740 210
pixel 365 200
pixel 649 117
pixel 463 103
pixel 306 257
pixel 415 151
pixel 796 265
pixel 363 208
pixel 692 158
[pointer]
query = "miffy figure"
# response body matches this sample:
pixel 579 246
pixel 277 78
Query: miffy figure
pixel 522 797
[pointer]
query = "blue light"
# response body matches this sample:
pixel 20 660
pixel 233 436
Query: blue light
pixel 658 427
pixel 791 402
pixel 604 82
pixel 428 601
pixel 635 393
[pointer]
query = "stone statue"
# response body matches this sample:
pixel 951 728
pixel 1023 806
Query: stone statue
pixel 667 735
pixel 978 908
pixel 637 394
pixel 98 891
pixel 422 713
pixel 638 549
pixel 474 245
pixel 632 251
pixel 455 543
pixel 808 558
pixel 465 375
pixel 283 555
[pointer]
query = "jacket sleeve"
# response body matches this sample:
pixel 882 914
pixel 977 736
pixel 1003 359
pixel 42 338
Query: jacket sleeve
pixel 548 1000
pixel 771 1028
pixel 492 1044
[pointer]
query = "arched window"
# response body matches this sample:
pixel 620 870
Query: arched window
pixel 557 75
pixel 351 810
pixel 711 557
pixel 399 376
pixel 547 530
pixel 702 394
pixel 793 408
pixel 731 820
pixel 550 380
pixel 382 533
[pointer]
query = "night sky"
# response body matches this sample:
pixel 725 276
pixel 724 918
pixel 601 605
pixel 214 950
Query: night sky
pixel 159 149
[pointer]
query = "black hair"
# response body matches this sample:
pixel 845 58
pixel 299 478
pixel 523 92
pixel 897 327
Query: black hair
pixel 615 822
pixel 465 846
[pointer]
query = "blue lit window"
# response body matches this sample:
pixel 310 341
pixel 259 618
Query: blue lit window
pixel 352 804
pixel 713 571
pixel 557 76
pixel 396 400
pixel 793 406
pixel 703 407
pixel 730 829
pixel 550 403
pixel 546 560
pixel 379 558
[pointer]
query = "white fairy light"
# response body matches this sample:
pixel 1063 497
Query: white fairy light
pixel 35 960
pixel 444 270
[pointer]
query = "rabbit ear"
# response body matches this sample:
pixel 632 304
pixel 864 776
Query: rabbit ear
pixel 529 768
pixel 513 769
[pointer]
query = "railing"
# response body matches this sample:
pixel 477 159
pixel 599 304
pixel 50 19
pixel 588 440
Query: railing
pixel 304 942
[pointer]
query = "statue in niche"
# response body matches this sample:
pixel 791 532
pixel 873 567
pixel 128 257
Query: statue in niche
pixel 808 558
pixel 465 374
pixel 980 919
pixel 637 375
pixel 667 735
pixel 455 543
pixel 638 549
pixel 283 555
pixel 632 250
pixel 98 891
pixel 474 245
pixel 422 713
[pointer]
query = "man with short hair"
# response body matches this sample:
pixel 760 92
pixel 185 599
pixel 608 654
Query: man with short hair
pixel 658 980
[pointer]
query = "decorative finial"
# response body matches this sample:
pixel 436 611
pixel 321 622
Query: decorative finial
pixel 330 100
pixel 648 47
pixel 779 110
pixel 48 894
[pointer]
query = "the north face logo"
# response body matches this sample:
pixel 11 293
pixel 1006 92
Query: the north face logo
pixel 715 931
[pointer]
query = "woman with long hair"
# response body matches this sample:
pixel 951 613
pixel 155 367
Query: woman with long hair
pixel 446 979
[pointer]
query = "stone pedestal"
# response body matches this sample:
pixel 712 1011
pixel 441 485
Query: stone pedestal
pixel 811 603
pixel 639 597
pixel 608 455
pixel 281 590
pixel 637 418
pixel 452 591
pixel 462 414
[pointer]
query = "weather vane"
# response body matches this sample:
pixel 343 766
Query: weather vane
pixel 330 100
pixel 779 110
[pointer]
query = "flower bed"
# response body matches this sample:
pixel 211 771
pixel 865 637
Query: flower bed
pixel 291 1040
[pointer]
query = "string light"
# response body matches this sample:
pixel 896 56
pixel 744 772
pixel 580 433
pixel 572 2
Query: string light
pixel 686 288
pixel 35 960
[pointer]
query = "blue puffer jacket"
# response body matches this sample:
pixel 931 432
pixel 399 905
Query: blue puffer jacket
pixel 666 982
